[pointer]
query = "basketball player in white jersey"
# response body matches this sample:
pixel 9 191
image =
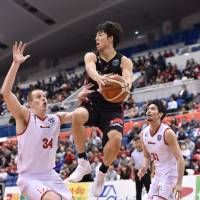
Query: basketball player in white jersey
pixel 37 135
pixel 161 146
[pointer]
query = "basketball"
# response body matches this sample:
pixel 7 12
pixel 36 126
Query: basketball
pixel 115 90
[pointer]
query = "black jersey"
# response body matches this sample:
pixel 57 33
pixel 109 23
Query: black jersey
pixel 103 67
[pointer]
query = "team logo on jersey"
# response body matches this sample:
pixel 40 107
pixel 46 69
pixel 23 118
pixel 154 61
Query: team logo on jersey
pixel 48 124
pixel 51 121
pixel 159 137
pixel 116 122
pixel 115 62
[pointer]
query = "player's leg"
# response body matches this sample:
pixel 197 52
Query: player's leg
pixel 166 189
pixel 80 116
pixel 153 188
pixel 53 181
pixel 36 189
pixel 112 127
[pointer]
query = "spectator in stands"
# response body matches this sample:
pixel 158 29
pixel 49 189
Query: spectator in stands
pixel 194 123
pixel 125 172
pixel 172 104
pixel 130 111
pixel 174 124
pixel 181 135
pixel 184 123
pixel 189 144
pixel 94 164
pixel 183 93
pixel 185 151
pixel 69 157
pixel 176 73
pixel 171 53
pixel 161 62
pixel 195 165
pixel 95 139
pixel 134 131
pixel 124 159
pixel 59 164
pixel 152 59
pixel 151 72
pixel 166 54
pixel 188 71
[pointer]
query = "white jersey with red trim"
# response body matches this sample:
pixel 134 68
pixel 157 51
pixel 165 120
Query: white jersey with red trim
pixel 37 145
pixel 164 160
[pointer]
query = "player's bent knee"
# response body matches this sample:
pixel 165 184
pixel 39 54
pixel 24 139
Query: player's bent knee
pixel 80 116
pixel 51 195
pixel 116 139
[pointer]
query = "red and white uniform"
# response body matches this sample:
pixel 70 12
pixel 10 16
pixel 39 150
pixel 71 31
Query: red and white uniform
pixel 164 161
pixel 37 147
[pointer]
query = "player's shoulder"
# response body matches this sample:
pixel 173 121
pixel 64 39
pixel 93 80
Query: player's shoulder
pixel 90 56
pixel 169 135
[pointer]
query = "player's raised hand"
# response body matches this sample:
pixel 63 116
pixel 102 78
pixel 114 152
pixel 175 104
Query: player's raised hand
pixel 83 95
pixel 18 51
pixel 177 191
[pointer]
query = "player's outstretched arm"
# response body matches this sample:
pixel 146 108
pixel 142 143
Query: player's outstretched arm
pixel 171 140
pixel 12 103
pixel 127 70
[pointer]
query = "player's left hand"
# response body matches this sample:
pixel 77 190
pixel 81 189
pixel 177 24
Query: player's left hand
pixel 126 83
pixel 82 96
pixel 177 191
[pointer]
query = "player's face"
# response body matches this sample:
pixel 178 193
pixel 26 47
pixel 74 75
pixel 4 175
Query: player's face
pixel 153 113
pixel 39 100
pixel 102 40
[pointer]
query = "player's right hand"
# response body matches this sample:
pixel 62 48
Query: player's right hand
pixel 102 80
pixel 83 95
pixel 141 172
pixel 18 50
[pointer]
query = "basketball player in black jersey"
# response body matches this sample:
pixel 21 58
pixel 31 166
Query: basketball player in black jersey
pixel 97 111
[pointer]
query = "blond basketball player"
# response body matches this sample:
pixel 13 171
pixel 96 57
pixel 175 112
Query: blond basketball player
pixel 161 146
pixel 37 135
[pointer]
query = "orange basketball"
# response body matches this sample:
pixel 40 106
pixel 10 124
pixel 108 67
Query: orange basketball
pixel 115 90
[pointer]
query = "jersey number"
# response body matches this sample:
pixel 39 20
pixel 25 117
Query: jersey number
pixel 47 143
pixel 155 156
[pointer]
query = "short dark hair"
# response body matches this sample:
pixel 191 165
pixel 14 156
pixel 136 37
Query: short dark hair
pixel 160 105
pixel 112 29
